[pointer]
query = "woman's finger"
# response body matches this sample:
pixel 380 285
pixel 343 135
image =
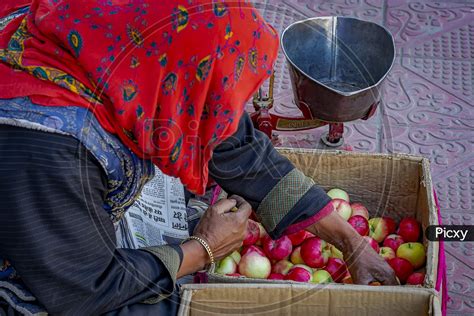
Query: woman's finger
pixel 223 206
pixel 240 200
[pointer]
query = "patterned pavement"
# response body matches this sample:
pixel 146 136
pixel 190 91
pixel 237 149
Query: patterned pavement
pixel 428 104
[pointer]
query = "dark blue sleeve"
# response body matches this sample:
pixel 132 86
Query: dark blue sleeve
pixel 247 164
pixel 56 234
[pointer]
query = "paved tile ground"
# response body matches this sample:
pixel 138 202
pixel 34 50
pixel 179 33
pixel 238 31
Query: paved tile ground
pixel 428 104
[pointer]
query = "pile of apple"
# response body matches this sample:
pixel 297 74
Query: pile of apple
pixel 303 257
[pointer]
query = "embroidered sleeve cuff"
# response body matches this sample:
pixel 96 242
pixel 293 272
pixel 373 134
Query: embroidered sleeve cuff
pixel 171 259
pixel 299 226
pixel 282 198
pixel 312 206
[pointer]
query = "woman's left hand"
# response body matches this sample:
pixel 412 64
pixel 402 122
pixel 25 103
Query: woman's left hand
pixel 364 264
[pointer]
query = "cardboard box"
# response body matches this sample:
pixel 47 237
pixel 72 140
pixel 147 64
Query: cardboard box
pixel 396 185
pixel 305 299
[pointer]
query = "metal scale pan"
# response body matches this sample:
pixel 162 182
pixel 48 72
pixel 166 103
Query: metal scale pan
pixel 336 65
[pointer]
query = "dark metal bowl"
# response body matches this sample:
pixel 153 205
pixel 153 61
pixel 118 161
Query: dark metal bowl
pixel 337 65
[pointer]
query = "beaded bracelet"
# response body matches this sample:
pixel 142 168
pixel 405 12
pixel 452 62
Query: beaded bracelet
pixel 204 244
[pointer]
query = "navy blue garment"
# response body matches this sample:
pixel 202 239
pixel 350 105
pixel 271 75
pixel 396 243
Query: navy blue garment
pixel 60 239
pixel 57 235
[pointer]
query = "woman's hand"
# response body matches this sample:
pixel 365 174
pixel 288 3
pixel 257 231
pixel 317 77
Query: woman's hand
pixel 223 229
pixel 364 264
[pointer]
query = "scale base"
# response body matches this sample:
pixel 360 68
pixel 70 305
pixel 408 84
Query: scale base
pixel 325 141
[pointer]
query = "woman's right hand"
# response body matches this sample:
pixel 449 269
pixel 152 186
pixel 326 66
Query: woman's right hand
pixel 223 229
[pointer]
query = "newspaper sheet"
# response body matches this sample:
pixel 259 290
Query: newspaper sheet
pixel 157 217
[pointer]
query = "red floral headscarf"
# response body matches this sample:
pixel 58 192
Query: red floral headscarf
pixel 169 77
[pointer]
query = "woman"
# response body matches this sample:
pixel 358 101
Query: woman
pixel 93 94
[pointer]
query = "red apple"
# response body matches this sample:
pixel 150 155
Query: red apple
pixel 387 253
pixel 297 238
pixel 359 209
pixel 277 249
pixel 313 252
pixel 338 194
pixel 391 224
pixel 417 278
pixel 304 267
pixel 343 208
pixel 360 224
pixel 299 274
pixel 378 229
pixel 337 269
pixel 276 276
pixel 252 248
pixel 253 233
pixel 409 229
pixel 295 257
pixel 347 278
pixel 393 241
pixel 402 267
pixel 253 265
pixel 282 267
pixel 372 243
pixel 414 252
pixel 321 276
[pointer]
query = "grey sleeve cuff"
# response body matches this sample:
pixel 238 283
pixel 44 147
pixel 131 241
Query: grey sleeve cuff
pixel 171 259
pixel 282 198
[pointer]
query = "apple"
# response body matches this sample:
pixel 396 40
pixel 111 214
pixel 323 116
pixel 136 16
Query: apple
pixel 253 233
pixel 314 252
pixel 402 267
pixel 276 276
pixel 226 266
pixel 338 194
pixel 277 249
pixel 299 274
pixel 393 241
pixel 360 224
pixel 282 267
pixel 416 278
pixel 378 229
pixel 372 243
pixel 337 269
pixel 236 256
pixel 263 232
pixel 295 257
pixel 409 229
pixel 252 248
pixel 391 224
pixel 347 278
pixel 297 238
pixel 387 253
pixel 343 208
pixel 304 267
pixel 336 253
pixel 414 252
pixel 234 274
pixel 253 265
pixel 359 209
pixel 321 276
